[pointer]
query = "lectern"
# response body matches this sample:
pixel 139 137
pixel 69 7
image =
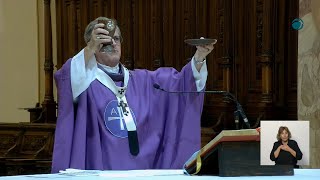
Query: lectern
pixel 234 153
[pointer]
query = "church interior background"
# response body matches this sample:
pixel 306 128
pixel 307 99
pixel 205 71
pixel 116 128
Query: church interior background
pixel 272 69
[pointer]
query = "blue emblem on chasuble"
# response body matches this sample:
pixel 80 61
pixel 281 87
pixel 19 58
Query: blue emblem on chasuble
pixel 114 121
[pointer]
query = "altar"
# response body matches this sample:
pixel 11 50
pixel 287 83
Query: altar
pixel 305 174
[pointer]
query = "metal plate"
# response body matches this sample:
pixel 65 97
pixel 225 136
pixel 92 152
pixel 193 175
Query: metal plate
pixel 199 42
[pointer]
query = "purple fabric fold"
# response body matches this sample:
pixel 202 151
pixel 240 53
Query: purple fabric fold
pixel 168 125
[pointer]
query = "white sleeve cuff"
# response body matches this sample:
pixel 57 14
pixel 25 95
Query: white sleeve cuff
pixel 82 74
pixel 200 77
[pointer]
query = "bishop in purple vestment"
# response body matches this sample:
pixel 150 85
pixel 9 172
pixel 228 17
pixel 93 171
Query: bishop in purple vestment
pixel 112 118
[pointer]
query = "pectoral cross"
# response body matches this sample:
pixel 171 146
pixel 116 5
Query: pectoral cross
pixel 123 106
pixel 121 91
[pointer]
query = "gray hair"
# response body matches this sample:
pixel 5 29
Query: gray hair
pixel 90 26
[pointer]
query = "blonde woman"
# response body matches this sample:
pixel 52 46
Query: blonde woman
pixel 285 151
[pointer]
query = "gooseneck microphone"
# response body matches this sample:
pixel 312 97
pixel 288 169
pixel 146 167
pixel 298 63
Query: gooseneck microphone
pixel 157 86
pixel 228 95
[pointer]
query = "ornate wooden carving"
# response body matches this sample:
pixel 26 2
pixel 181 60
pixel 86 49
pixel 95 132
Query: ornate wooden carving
pixel 259 25
pixel 252 58
pixel 48 105
pixel 227 78
pixel 266 56
pixel 26 148
pixel 33 143
pixel 7 141
pixel 266 61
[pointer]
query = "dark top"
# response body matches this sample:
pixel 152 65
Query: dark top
pixel 285 157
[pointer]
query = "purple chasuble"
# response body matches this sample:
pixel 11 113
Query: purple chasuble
pixel 168 125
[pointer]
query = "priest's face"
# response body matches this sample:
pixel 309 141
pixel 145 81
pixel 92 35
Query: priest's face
pixel 111 58
pixel 284 136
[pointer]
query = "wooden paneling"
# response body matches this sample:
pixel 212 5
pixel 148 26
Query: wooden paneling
pixel 255 57
pixel 26 148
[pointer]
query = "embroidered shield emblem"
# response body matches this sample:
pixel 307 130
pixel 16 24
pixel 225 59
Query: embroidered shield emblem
pixel 114 121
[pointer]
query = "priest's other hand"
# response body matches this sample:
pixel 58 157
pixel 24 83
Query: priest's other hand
pixel 203 51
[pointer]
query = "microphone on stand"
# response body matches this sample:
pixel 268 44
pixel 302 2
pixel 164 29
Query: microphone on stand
pixel 243 115
pixel 228 95
pixel 157 86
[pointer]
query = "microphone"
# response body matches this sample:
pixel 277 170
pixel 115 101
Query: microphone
pixel 157 86
pixel 227 94
pixel 243 115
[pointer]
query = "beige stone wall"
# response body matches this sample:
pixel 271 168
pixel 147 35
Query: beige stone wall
pixel 22 56
pixel 309 74
pixel 19 61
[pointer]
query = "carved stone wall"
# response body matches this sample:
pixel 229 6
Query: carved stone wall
pixel 309 74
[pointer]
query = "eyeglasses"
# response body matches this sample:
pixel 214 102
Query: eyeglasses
pixel 117 39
